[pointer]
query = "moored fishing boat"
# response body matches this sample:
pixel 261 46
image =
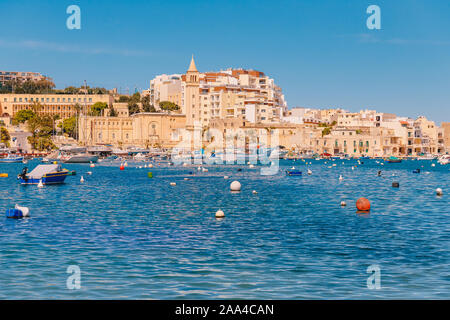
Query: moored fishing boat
pixel 11 159
pixel 293 173
pixel 44 173
pixel 426 157
pixel 444 159
pixel 394 160
pixel 80 158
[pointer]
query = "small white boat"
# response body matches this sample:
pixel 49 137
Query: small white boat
pixel 426 157
pixel 80 158
pixel 444 159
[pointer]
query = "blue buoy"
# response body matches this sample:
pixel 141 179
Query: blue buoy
pixel 14 213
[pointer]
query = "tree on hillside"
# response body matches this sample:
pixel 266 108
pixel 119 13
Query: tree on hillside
pixel 168 106
pixel 97 108
pixel 24 115
pixel 146 106
pixel 4 136
pixel 112 111
pixel 41 128
pixel 124 98
pixel 133 103
pixel 69 126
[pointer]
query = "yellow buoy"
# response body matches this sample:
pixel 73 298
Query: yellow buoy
pixel 3 175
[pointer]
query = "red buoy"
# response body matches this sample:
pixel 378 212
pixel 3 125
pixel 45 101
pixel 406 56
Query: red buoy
pixel 122 167
pixel 362 204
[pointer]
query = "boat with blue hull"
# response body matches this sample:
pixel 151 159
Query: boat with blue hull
pixel 293 173
pixel 11 159
pixel 44 173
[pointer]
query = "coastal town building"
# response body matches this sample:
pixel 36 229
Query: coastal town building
pixel 141 129
pixel 230 93
pixel 21 77
pixel 65 105
pixel 164 88
pixel 235 106
pixel 445 136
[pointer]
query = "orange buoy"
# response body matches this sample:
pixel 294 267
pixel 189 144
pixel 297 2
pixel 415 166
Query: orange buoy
pixel 362 204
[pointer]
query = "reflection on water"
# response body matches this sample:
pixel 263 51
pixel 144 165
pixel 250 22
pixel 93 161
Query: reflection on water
pixel 138 237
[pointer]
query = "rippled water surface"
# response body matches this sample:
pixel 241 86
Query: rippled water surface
pixel 135 237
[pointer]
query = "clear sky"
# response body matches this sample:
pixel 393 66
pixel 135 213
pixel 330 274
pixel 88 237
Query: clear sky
pixel 320 52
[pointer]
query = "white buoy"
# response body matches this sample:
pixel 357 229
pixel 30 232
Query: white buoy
pixel 25 210
pixel 341 178
pixel 40 184
pixel 343 203
pixel 353 168
pixel 433 165
pixel 82 179
pixel 173 184
pixel 225 177
pixel 439 192
pixel 254 192
pixel 235 186
pixel 293 168
pixel 309 172
pixel 220 214
pixel 251 166
pixel 89 172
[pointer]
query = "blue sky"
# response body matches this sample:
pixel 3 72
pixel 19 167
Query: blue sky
pixel 320 52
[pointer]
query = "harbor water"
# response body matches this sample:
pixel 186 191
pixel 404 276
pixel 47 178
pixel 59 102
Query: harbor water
pixel 135 236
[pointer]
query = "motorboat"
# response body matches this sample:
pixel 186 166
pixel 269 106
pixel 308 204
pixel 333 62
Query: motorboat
pixel 426 157
pixel 293 173
pixel 394 160
pixel 444 159
pixel 55 156
pixel 139 156
pixel 11 159
pixel 43 174
pixel 80 158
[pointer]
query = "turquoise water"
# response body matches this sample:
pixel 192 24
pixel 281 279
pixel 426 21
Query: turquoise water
pixel 139 238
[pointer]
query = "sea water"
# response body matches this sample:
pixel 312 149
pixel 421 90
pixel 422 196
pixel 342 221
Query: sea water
pixel 135 237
